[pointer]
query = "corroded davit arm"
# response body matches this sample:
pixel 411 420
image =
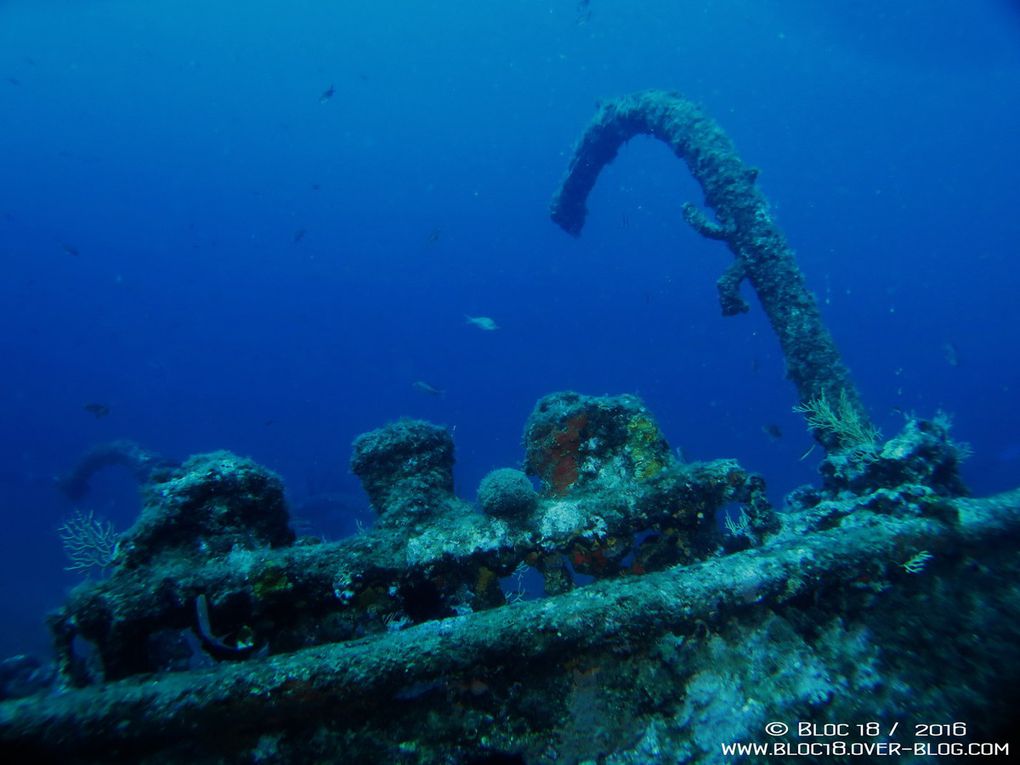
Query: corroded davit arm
pixel 124 453
pixel 743 221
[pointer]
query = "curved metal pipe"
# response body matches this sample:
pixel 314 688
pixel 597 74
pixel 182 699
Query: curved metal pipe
pixel 742 220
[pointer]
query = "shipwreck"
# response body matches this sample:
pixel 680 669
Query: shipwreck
pixel 678 612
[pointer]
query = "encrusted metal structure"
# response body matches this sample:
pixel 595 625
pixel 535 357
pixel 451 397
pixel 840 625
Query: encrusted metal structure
pixel 221 637
pixel 742 220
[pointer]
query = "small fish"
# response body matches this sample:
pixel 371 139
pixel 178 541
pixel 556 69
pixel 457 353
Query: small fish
pixel 417 690
pixel 772 430
pixel 299 235
pixel 316 187
pixel 482 322
pixel 70 249
pixel 425 387
pixel 327 94
pixel 14 81
pixel 97 410
pixel 433 236
pixel 244 644
pixel 583 12
pixel 951 354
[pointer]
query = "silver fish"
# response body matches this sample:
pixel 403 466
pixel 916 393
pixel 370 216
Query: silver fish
pixel 425 387
pixel 482 322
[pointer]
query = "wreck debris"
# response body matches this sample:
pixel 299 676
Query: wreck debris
pixel 613 615
pixel 581 443
pixel 140 461
pixel 214 504
pixel 406 469
pixel 217 529
pixel 350 646
pixel 743 222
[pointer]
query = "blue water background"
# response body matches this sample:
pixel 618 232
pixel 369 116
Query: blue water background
pixel 180 147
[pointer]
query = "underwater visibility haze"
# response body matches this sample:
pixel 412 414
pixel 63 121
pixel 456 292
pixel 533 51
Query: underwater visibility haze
pixel 368 358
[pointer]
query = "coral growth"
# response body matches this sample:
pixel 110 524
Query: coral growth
pixel 578 443
pixel 923 455
pixel 90 543
pixel 839 422
pixel 507 493
pixel 644 446
pixel 564 454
